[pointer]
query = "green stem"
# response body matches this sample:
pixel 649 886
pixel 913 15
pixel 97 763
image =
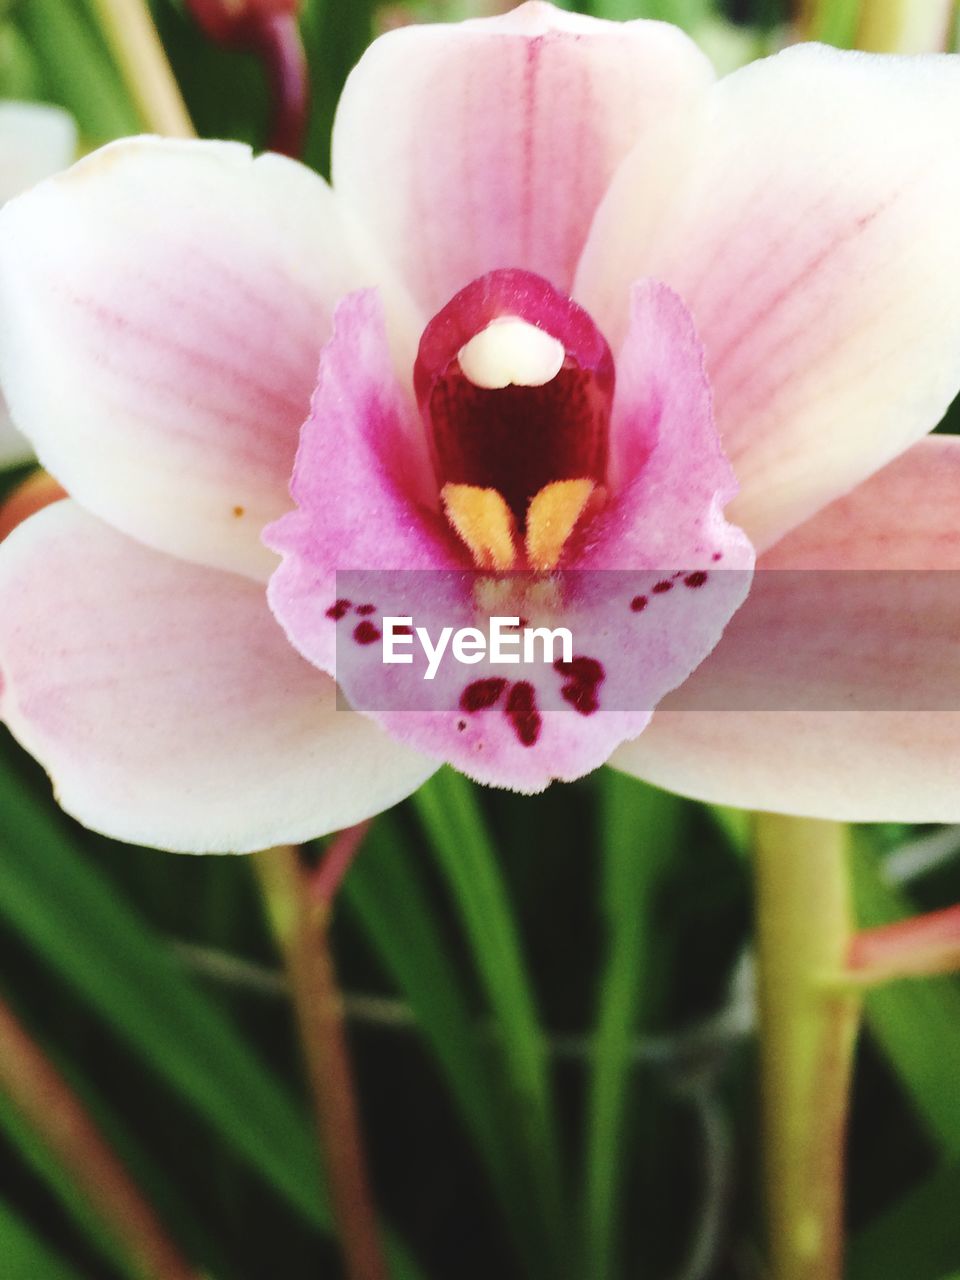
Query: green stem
pixel 299 905
pixel 808 1032
pixel 905 26
pixel 128 28
pixel 832 21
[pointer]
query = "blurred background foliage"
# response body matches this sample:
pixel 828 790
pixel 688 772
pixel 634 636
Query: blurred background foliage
pixel 549 999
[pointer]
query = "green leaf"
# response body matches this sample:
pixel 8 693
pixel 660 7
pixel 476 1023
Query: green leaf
pixel 919 1238
pixel 735 825
pixel 683 13
pixel 385 891
pixel 79 73
pixel 640 829
pixel 54 896
pixel 916 1022
pixel 454 822
pixel 25 1255
pixel 835 22
pixel 19 73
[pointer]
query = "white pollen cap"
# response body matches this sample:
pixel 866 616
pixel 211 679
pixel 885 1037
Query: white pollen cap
pixel 510 352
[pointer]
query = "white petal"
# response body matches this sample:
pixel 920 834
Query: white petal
pixel 815 240
pixel 35 142
pixel 465 147
pixel 162 310
pixel 868 620
pixel 166 703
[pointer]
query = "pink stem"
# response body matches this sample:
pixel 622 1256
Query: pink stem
pixel 323 883
pixel 52 1109
pixel 300 902
pixel 276 41
pixel 923 945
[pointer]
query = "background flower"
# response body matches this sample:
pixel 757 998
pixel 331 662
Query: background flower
pixel 35 141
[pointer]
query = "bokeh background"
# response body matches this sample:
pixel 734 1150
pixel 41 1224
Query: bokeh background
pixel 603 923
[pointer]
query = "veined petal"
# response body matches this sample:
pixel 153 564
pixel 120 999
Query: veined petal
pixel 166 704
pixel 836 619
pixel 35 141
pixel 484 144
pixel 815 241
pixel 362 484
pixel 162 310
pixel 671 481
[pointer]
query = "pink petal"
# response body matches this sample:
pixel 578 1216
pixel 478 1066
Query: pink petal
pixel 650 607
pixel 815 241
pixel 523 726
pixel 363 484
pixel 670 478
pixel 162 310
pixel 166 704
pixel 486 144
pixel 873 636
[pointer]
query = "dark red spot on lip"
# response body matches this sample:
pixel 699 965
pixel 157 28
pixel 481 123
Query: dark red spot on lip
pixel 585 676
pixel 403 630
pixel 365 610
pixel 338 609
pixel 366 633
pixel 695 579
pixel 482 694
pixel 717 555
pixel 661 587
pixel 638 604
pixel 522 712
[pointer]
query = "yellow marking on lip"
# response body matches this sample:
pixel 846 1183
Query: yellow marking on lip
pixel 551 518
pixel 485 523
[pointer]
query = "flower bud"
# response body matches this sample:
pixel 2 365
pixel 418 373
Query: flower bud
pixel 268 29
pixel 239 22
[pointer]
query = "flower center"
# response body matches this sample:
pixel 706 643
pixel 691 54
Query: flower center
pixel 515 383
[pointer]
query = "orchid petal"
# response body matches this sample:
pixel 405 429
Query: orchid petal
pixel 849 610
pixel 464 148
pixel 166 704
pixel 35 142
pixel 362 484
pixel 637 633
pixel 162 310
pixel 815 241
pixel 671 480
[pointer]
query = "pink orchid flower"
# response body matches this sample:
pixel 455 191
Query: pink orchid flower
pixel 35 141
pixel 575 306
